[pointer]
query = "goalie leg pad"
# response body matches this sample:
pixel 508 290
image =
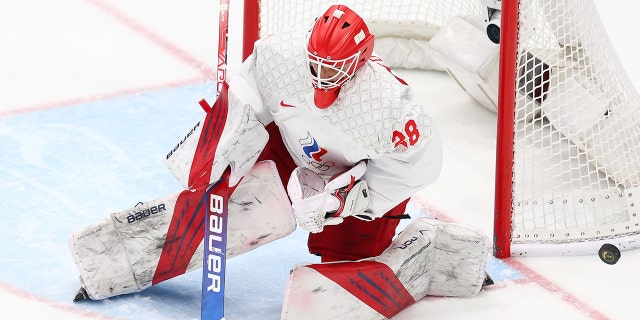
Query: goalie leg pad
pixel 375 288
pixel 259 210
pixel 461 255
pixel 120 254
pixel 427 258
pixel 109 262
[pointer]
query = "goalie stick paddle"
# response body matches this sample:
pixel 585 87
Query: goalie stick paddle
pixel 215 250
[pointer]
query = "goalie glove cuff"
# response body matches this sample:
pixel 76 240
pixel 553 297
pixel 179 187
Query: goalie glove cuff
pixel 352 200
pixel 317 204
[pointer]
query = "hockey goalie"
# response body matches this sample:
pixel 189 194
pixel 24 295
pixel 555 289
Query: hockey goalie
pixel 316 112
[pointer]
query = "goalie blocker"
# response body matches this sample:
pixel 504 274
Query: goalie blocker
pixel 427 258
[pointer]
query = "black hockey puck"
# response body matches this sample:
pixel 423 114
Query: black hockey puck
pixel 609 253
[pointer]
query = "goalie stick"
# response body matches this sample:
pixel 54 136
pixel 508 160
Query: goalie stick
pixel 215 232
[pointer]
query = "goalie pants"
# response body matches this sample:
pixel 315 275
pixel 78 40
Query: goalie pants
pixel 353 239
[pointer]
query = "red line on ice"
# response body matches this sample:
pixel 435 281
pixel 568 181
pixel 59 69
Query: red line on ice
pixel 157 39
pixel 53 304
pixel 96 97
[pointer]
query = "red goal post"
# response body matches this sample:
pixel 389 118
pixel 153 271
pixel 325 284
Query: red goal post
pixel 251 26
pixel 568 148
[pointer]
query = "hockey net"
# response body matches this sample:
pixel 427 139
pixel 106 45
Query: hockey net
pixel 568 151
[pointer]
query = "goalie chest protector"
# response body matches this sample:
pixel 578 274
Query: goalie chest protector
pixel 358 125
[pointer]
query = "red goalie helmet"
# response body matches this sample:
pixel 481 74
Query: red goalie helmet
pixel 340 43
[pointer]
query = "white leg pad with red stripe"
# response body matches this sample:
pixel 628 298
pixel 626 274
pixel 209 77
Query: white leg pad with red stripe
pixel 123 253
pixel 427 258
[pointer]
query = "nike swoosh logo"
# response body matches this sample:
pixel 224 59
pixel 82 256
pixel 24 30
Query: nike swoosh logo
pixel 286 105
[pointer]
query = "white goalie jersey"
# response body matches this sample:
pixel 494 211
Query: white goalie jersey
pixel 374 118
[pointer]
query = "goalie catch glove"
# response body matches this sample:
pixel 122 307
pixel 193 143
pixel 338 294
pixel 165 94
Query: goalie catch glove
pixel 317 204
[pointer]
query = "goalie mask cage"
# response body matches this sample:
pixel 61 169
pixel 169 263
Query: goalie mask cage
pixel 568 149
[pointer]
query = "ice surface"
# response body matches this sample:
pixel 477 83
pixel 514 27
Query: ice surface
pixel 94 92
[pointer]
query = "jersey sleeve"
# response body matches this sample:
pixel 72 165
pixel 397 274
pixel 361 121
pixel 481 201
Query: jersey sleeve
pixel 413 162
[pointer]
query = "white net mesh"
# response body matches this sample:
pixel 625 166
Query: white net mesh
pixel 400 18
pixel 396 24
pixel 577 135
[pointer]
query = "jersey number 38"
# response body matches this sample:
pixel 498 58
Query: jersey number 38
pixel 407 138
